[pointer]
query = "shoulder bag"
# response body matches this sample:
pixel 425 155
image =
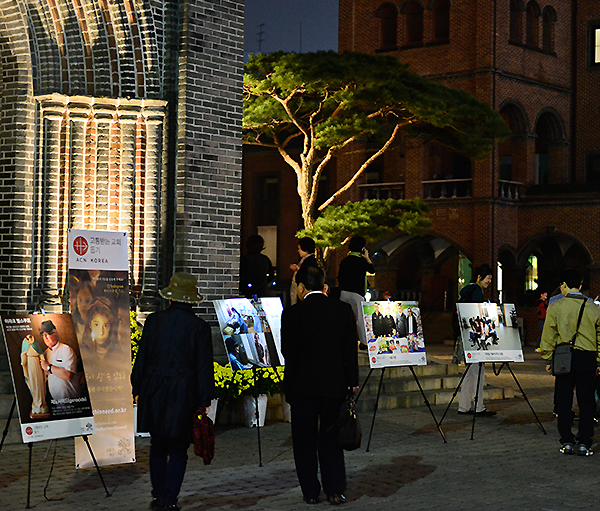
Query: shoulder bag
pixel 346 429
pixel 561 358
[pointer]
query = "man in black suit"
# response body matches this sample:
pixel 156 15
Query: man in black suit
pixel 378 322
pixel 318 340
pixel 406 323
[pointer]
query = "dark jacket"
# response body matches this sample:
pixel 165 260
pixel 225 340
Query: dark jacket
pixel 173 371
pixel 319 343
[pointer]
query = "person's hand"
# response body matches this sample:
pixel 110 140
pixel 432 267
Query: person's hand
pixel 135 399
pixel 294 267
pixel 354 389
pixel 549 369
pixel 597 371
pixel 45 365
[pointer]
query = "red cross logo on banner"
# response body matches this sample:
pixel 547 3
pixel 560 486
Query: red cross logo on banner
pixel 80 245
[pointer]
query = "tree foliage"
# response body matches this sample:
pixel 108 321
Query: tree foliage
pixel 375 220
pixel 325 101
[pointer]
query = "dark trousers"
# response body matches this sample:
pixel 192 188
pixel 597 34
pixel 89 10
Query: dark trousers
pixel 582 380
pixel 313 446
pixel 168 459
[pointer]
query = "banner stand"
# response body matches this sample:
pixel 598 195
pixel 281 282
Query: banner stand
pixel 480 364
pixel 12 410
pixel 438 424
pixel 30 444
pixel 87 442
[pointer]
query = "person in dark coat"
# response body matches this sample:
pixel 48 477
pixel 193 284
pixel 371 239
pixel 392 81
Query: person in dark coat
pixel 172 378
pixel 256 269
pixel 318 341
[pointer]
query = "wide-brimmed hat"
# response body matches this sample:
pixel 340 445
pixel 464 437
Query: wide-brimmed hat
pixel 182 288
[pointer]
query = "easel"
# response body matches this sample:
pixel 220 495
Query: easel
pixel 85 439
pixel 257 415
pixel 477 397
pixel 30 444
pixel 438 424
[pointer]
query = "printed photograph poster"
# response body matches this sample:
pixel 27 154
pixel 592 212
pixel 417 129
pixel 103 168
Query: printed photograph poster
pixel 394 334
pixel 99 299
pixel 489 332
pixel 251 331
pixel 52 401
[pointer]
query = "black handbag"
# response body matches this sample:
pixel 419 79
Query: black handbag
pixel 561 358
pixel 346 428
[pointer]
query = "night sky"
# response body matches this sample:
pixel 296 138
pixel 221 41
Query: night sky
pixel 282 19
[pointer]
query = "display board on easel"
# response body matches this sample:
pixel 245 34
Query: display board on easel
pixel 394 334
pixel 53 402
pixel 251 331
pixel 489 332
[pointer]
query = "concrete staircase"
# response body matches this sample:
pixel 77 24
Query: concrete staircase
pixel 400 390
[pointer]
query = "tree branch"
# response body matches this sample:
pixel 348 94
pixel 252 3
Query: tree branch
pixel 362 168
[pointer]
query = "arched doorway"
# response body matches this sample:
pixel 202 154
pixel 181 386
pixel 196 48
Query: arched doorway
pixel 542 260
pixel 425 269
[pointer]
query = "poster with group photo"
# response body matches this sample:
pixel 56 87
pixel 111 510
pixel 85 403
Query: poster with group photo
pixel 48 376
pixel 99 294
pixel 251 331
pixel 394 334
pixel 489 332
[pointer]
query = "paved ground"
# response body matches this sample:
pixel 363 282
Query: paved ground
pixel 510 464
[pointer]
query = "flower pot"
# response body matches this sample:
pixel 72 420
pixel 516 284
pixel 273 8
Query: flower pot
pixel 249 410
pixel 135 413
pixel 286 410
pixel 212 413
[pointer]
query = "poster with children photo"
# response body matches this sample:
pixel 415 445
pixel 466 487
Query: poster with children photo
pixel 489 332
pixel 394 334
pixel 250 331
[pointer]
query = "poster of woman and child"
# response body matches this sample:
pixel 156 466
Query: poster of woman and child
pixel 489 332
pixel 394 334
pixel 250 331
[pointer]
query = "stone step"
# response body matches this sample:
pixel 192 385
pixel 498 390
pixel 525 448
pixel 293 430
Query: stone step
pixel 408 384
pixel 366 404
pixel 431 369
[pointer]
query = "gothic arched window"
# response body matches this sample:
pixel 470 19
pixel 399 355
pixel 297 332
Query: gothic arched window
pixel 441 20
pixel 389 26
pixel 414 23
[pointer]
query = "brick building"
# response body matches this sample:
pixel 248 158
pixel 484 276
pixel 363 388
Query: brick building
pixel 530 209
pixel 120 115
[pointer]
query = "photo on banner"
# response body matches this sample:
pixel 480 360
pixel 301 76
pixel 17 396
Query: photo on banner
pixel 99 298
pixel 394 334
pixel 48 376
pixel 489 332
pixel 251 331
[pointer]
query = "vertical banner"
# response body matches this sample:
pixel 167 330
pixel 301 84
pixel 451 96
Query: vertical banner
pixel 99 290
pixel 48 376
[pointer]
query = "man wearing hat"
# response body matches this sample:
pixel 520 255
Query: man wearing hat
pixel 60 365
pixel 172 378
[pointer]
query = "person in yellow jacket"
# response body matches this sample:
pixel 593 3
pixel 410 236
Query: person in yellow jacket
pixel 560 325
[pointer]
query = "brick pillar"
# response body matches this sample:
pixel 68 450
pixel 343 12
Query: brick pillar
pixel 209 160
